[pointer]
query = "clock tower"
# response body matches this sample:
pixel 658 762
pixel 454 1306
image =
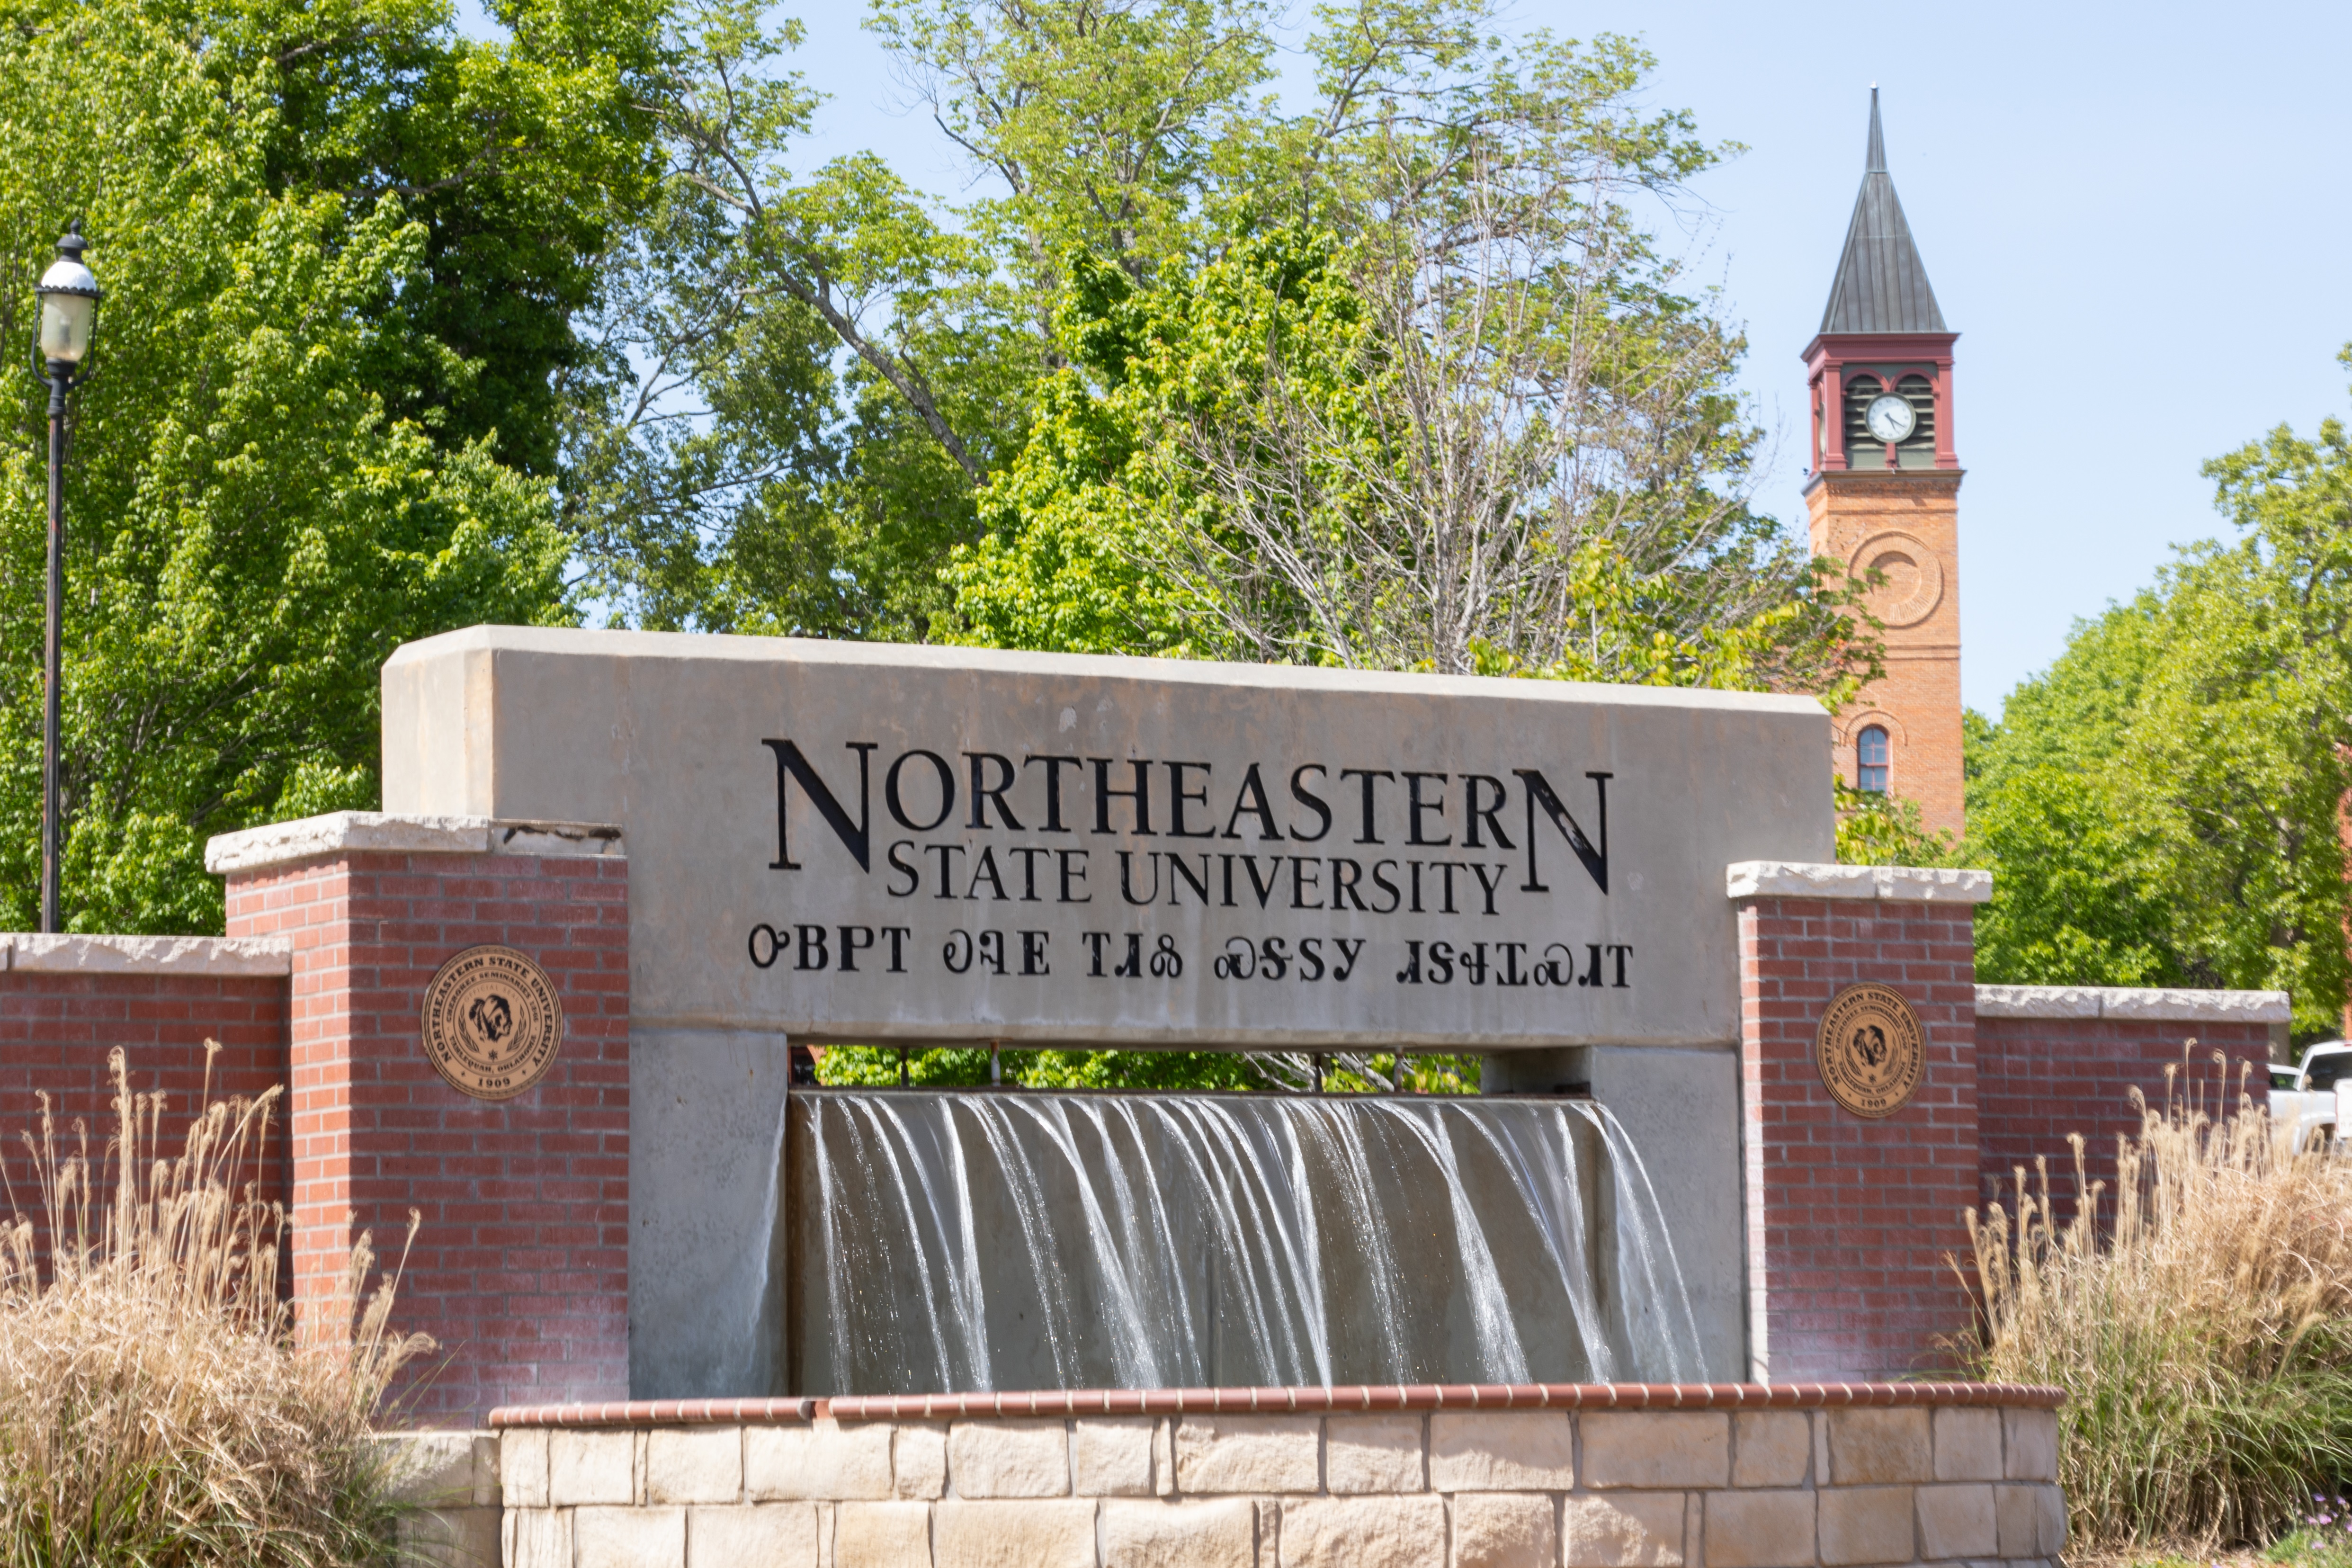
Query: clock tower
pixel 1884 497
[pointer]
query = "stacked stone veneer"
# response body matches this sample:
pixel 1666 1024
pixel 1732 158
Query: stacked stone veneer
pixel 444 1486
pixel 520 1269
pixel 1403 1488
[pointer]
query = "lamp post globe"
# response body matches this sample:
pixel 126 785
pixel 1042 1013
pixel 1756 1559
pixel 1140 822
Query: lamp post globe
pixel 69 294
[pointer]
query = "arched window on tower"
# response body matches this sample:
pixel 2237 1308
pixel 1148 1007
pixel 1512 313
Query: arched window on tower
pixel 1872 757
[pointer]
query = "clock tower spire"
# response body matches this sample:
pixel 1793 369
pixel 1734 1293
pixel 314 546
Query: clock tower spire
pixel 1884 495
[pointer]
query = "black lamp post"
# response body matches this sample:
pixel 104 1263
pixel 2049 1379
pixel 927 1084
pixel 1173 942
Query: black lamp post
pixel 69 294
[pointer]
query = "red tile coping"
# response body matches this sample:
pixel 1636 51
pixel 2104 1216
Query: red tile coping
pixel 1273 1401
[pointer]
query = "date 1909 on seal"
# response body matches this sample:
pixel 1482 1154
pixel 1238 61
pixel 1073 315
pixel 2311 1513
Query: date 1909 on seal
pixel 1870 1049
pixel 492 1021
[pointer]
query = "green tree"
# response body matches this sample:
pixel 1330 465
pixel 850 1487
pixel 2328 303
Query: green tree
pixel 1394 380
pixel 2162 805
pixel 519 158
pixel 1255 460
pixel 250 531
pixel 1109 129
pixel 802 377
pixel 2076 897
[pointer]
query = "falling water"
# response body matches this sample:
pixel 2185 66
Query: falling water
pixel 979 1241
pixel 751 1359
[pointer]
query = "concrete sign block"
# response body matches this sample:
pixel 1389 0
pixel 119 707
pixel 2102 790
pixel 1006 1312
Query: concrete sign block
pixel 845 841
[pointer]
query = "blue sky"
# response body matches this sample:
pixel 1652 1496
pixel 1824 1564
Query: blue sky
pixel 2132 213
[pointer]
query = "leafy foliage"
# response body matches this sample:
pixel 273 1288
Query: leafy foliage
pixel 2074 895
pixel 1875 828
pixel 250 531
pixel 1231 1071
pixel 2162 805
pixel 1395 381
pixel 1429 403
pixel 518 160
pixel 797 382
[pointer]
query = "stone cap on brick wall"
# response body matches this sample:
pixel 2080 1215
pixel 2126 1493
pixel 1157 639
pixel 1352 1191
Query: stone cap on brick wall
pixel 216 957
pixel 349 832
pixel 1811 879
pixel 2154 1005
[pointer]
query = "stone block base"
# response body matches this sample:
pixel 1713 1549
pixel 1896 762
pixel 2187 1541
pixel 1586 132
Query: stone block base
pixel 1724 1476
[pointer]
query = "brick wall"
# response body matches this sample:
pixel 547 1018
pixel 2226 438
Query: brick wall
pixel 57 1031
pixel 1850 1220
pixel 2039 1079
pixel 521 1267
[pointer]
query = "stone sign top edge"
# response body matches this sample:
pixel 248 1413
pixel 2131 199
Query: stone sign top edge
pixel 723 646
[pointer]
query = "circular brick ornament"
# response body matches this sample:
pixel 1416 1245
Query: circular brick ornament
pixel 492 1021
pixel 1870 1049
pixel 1914 577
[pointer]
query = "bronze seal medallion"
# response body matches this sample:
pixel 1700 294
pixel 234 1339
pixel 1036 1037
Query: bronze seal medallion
pixel 492 1021
pixel 1870 1049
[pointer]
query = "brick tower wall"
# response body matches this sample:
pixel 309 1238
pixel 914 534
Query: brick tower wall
pixel 1907 525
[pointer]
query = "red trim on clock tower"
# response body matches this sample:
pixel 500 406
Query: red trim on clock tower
pixel 1927 354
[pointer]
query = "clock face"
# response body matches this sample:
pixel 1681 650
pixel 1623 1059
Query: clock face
pixel 1890 418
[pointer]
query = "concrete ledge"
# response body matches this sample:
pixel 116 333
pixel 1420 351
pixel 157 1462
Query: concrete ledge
pixel 355 831
pixel 2152 1004
pixel 219 957
pixel 1804 879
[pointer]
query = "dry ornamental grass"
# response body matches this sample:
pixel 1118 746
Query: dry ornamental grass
pixel 155 1404
pixel 2200 1318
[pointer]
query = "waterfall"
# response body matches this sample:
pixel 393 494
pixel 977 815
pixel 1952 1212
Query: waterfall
pixel 943 1241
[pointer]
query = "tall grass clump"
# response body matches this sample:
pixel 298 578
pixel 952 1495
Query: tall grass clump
pixel 2200 1318
pixel 156 1408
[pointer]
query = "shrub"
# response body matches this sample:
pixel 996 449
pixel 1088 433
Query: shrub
pixel 155 1406
pixel 2199 1319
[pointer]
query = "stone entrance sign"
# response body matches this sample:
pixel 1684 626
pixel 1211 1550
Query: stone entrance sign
pixel 843 841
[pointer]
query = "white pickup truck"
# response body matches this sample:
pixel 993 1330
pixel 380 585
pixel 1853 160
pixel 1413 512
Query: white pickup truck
pixel 2315 1098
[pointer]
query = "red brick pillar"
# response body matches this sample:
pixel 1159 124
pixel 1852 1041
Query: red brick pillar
pixel 1852 1222
pixel 520 1266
